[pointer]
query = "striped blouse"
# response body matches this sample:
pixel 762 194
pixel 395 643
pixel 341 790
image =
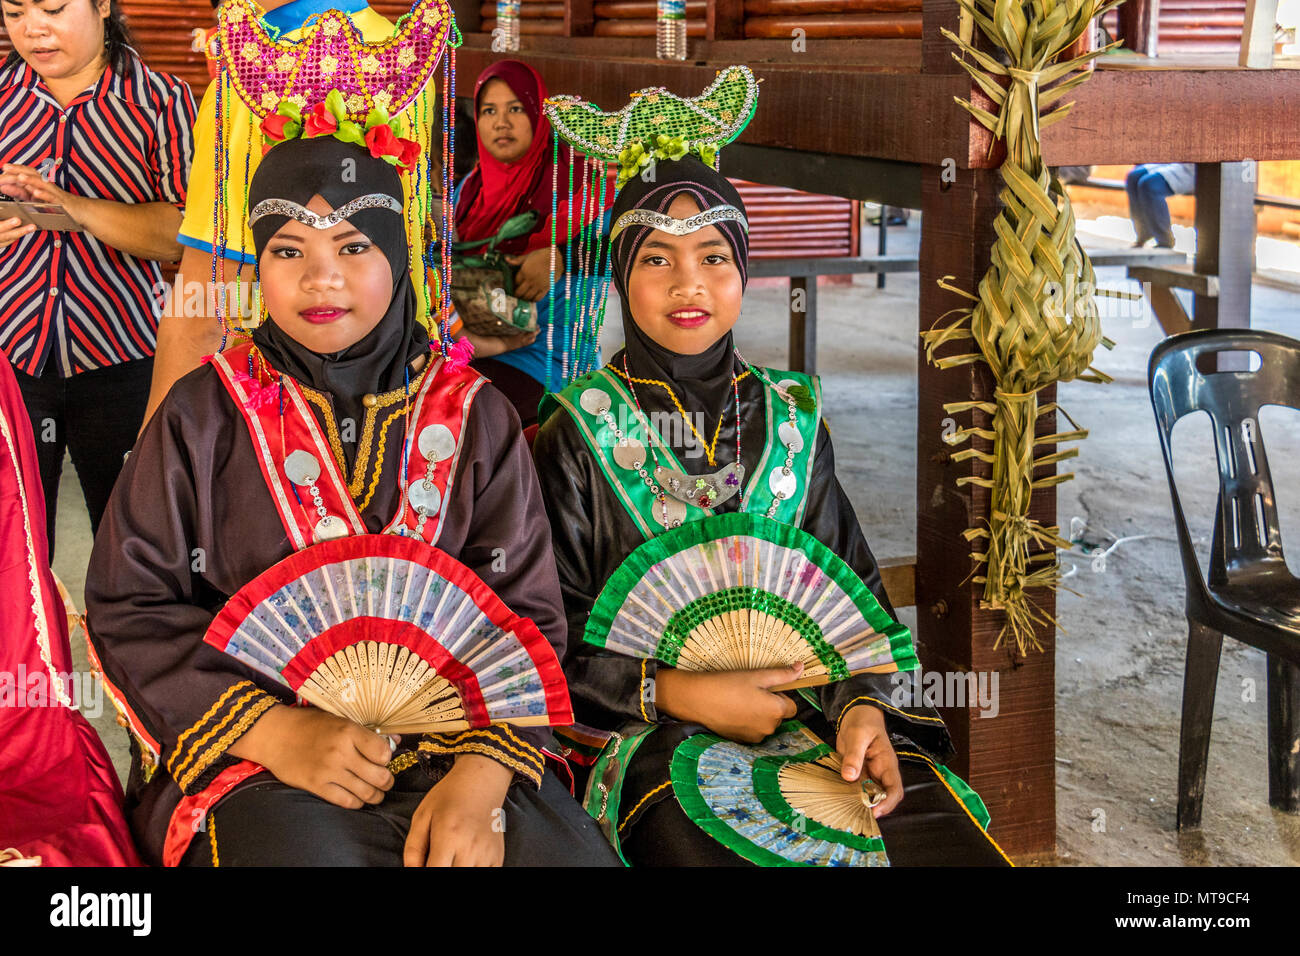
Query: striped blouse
pixel 67 295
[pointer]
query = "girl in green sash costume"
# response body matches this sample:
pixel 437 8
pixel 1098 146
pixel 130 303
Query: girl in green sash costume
pixel 675 428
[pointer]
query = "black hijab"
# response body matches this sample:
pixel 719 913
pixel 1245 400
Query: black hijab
pixel 701 381
pixel 339 172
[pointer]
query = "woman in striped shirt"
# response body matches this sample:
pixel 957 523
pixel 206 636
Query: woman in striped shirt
pixel 85 125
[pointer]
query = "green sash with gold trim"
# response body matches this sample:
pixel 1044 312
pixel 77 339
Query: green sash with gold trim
pixel 600 402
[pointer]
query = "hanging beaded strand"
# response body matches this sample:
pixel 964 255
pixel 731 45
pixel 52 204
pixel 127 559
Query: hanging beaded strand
pixel 597 306
pixel 550 294
pixel 568 277
pixel 218 205
pixel 448 161
pixel 579 313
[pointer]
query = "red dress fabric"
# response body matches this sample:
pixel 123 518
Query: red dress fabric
pixel 60 799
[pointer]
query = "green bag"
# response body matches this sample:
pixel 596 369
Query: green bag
pixel 483 284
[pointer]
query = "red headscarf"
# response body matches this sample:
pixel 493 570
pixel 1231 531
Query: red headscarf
pixel 495 191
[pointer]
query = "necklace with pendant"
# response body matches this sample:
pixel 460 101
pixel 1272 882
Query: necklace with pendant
pixel 704 491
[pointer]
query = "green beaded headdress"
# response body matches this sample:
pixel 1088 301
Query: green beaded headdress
pixel 655 125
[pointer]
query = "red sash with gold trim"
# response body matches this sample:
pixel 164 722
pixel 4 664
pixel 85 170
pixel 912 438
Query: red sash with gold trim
pixel 305 480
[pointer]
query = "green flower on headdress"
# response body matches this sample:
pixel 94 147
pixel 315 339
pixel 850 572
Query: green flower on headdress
pixel 670 147
pixel 708 154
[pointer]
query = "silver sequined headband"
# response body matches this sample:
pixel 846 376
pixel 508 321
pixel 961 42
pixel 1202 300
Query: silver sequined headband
pixel 286 207
pixel 678 227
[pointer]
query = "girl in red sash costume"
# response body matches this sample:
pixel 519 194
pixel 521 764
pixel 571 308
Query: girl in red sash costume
pixel 224 773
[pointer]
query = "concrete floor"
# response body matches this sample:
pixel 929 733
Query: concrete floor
pixel 1120 649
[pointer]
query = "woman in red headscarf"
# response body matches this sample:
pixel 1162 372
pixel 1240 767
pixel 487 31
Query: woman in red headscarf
pixel 515 175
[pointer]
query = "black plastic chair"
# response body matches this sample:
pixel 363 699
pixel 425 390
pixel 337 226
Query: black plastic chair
pixel 1250 595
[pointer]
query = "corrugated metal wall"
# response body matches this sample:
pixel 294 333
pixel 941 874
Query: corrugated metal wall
pixel 1196 26
pixel 786 222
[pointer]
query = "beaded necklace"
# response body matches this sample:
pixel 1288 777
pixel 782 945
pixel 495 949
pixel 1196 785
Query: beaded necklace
pixel 710 448
pixel 707 496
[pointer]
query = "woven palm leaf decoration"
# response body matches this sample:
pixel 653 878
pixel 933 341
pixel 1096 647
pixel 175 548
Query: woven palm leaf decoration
pixel 741 591
pixel 781 802
pixel 395 635
pixel 654 125
pixel 1034 320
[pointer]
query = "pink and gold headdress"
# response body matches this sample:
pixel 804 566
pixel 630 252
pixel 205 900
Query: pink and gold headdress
pixel 331 81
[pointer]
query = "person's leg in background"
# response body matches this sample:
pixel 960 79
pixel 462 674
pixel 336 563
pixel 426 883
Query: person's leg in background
pixel 1136 209
pixel 44 398
pixel 1155 191
pixel 105 409
pixel 1148 194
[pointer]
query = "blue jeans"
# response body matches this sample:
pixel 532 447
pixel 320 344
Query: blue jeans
pixel 1148 205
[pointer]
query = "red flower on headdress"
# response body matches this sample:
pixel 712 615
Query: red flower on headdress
pixel 319 122
pixel 382 141
pixel 274 124
pixel 410 154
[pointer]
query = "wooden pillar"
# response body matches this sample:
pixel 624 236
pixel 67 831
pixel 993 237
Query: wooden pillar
pixel 1009 759
pixel 1225 242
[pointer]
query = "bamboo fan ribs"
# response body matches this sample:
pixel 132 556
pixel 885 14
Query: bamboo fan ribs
pixel 740 592
pixel 395 635
pixel 781 802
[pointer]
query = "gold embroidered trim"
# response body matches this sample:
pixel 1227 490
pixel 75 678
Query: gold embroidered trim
pixel 640 698
pixel 221 702
pixel 494 734
pixel 528 748
pixel 631 813
pixel 220 747
pixel 518 766
pixel 525 751
pixel 962 803
pixel 880 703
pixel 403 762
pixel 383 400
pixel 212 837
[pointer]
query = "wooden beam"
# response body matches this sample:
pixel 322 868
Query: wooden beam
pixel 725 20
pixel 1178 276
pixel 909 117
pixel 1008 759
pixel 579 20
pixel 853 177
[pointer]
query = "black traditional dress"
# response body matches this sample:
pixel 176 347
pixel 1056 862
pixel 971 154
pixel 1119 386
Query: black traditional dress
pixel 619 462
pixel 208 501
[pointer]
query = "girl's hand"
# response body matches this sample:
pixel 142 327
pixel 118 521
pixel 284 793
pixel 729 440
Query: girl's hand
pixel 460 821
pixel 486 346
pixel 733 704
pixel 862 738
pixel 25 184
pixel 336 759
pixel 533 280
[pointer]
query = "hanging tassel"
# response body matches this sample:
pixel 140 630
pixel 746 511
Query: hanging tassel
pixel 459 354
